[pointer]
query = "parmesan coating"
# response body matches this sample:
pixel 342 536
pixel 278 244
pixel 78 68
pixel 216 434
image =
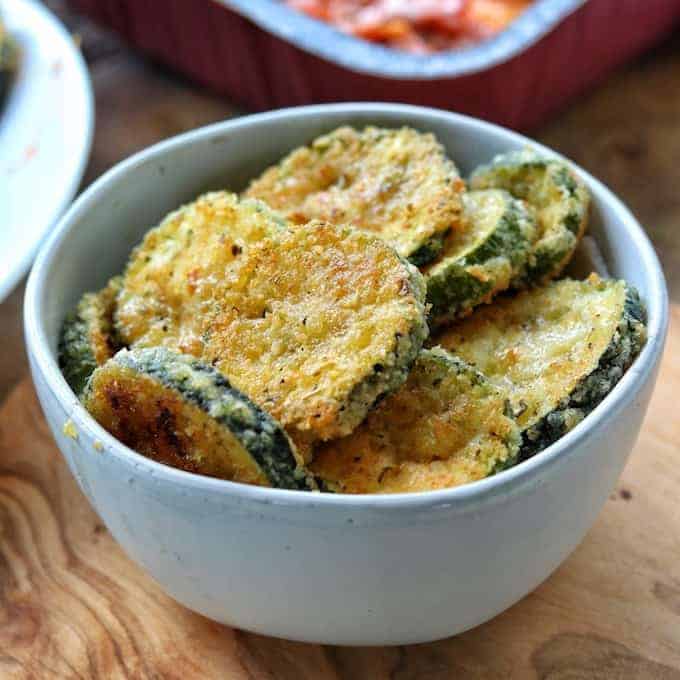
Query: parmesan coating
pixel 316 325
pixel 445 427
pixel 172 275
pixel 541 344
pixel 396 184
pixel 179 411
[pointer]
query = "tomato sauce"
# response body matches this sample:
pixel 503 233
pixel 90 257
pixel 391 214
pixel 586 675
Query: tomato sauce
pixel 418 26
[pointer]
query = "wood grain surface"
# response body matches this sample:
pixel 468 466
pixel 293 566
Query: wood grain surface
pixel 73 606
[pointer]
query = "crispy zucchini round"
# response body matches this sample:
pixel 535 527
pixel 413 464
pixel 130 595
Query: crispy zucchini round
pixel 479 260
pixel 558 350
pixel 316 325
pixel 557 195
pixel 396 184
pixel 88 336
pixel 175 409
pixel 172 274
pixel 445 427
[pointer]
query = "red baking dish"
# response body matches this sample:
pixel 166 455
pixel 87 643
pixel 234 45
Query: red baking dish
pixel 264 55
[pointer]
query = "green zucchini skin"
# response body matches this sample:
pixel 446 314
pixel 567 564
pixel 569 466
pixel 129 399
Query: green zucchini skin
pixel 557 350
pixel 482 259
pixel 88 337
pixel 428 251
pixel 204 387
pixel 76 359
pixel 559 199
pixel 624 347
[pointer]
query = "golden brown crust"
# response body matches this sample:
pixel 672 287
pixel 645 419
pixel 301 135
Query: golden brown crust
pixel 316 324
pixel 542 342
pixel 102 337
pixel 398 184
pixel 172 274
pixel 158 423
pixel 446 426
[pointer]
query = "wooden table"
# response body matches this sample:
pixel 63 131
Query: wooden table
pixel 73 606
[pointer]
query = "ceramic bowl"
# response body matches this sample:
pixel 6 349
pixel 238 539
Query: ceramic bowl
pixel 328 568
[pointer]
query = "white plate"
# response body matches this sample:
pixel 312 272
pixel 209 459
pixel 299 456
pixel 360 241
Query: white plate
pixel 46 128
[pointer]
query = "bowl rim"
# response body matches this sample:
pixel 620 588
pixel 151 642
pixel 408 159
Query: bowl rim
pixel 509 481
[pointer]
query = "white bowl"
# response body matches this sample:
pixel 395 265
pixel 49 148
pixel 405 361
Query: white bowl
pixel 46 125
pixel 329 568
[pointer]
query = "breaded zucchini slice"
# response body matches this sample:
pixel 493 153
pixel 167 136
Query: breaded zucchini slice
pixel 177 410
pixel 480 259
pixel 88 337
pixel 448 425
pixel 557 195
pixel 316 325
pixel 172 274
pixel 397 184
pixel 558 350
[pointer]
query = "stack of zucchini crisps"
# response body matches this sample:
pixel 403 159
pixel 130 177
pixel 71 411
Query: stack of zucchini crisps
pixel 359 320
